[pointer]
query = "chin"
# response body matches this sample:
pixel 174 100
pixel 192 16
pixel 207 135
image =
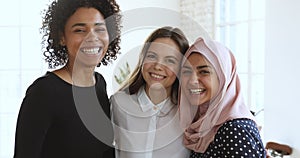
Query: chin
pixel 194 102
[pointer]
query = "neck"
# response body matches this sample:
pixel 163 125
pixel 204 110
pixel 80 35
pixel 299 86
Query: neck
pixel 81 77
pixel 157 95
pixel 203 108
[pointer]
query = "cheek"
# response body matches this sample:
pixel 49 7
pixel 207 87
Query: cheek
pixel 172 70
pixel 106 42
pixel 145 68
pixel 173 77
pixel 73 45
pixel 183 84
pixel 214 86
pixel 104 39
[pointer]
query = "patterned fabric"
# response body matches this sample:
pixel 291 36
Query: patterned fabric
pixel 238 138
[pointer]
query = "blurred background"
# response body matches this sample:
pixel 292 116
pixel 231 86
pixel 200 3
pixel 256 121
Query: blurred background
pixel 263 35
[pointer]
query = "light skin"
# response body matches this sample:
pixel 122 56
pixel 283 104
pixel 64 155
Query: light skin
pixel 199 81
pixel 160 68
pixel 86 38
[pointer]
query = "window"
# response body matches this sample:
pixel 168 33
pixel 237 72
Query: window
pixel 20 63
pixel 239 24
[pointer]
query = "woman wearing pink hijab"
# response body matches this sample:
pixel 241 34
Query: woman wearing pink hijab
pixel 216 120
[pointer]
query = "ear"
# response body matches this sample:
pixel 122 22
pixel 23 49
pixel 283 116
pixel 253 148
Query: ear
pixel 62 41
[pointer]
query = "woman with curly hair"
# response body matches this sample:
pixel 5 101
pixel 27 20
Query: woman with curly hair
pixel 65 112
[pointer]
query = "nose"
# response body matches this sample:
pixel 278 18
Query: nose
pixel 91 37
pixel 194 79
pixel 158 65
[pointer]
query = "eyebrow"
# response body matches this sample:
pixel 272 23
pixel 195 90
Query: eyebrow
pixel 202 66
pixel 83 24
pixel 169 56
pixel 186 67
pixel 198 67
pixel 173 57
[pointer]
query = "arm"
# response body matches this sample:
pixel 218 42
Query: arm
pixel 33 121
pixel 240 138
pixel 114 120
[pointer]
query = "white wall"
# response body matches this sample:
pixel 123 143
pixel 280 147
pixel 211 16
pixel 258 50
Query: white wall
pixel 282 109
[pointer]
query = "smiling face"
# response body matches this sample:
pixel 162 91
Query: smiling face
pixel 86 37
pixel 199 81
pixel 161 64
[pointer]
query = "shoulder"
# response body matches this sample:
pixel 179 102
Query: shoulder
pixel 42 83
pixel 41 93
pixel 239 127
pixel 121 97
pixel 125 103
pixel 240 136
pixel 100 82
pixel 120 94
pixel 99 77
pixel 45 78
pixel 241 124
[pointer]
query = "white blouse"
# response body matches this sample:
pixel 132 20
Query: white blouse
pixel 145 130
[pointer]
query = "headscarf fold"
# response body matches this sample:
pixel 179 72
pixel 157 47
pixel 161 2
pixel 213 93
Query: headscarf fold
pixel 228 104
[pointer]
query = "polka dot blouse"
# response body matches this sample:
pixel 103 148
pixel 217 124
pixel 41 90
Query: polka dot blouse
pixel 238 138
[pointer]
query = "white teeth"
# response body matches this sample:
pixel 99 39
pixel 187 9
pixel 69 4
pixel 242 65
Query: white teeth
pixel 157 76
pixel 197 91
pixel 90 50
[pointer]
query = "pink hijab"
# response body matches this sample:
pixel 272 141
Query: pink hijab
pixel 228 104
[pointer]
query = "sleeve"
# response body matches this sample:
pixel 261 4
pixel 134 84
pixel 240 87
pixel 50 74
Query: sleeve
pixel 118 121
pixel 114 122
pixel 240 138
pixel 101 89
pixel 127 141
pixel 34 119
pixel 114 118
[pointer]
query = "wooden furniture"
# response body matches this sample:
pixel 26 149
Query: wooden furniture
pixel 278 150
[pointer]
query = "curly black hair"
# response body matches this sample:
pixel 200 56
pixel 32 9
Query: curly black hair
pixel 54 21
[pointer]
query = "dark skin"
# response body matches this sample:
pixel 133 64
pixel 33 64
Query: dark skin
pixel 86 38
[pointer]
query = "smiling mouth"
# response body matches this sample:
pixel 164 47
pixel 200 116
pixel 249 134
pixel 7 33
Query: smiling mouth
pixel 91 50
pixel 156 76
pixel 197 90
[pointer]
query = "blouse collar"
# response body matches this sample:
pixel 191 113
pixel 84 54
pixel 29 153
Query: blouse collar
pixel 146 104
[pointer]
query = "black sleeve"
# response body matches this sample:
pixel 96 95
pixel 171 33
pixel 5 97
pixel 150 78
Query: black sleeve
pixel 34 119
pixel 102 94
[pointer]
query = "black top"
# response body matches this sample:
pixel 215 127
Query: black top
pixel 238 138
pixel 58 120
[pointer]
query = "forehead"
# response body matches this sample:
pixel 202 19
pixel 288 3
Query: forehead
pixel 196 59
pixel 165 46
pixel 86 15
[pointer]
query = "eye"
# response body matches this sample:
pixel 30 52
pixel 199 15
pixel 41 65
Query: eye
pixel 171 61
pixel 79 30
pixel 150 56
pixel 100 29
pixel 204 72
pixel 186 71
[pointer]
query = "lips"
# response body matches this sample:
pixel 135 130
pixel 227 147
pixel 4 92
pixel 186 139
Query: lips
pixel 197 90
pixel 157 76
pixel 91 51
